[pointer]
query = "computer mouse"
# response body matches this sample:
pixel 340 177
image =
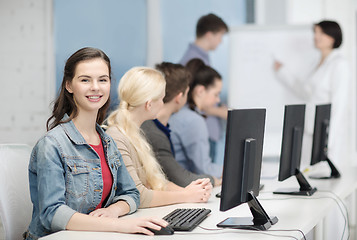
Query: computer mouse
pixel 163 231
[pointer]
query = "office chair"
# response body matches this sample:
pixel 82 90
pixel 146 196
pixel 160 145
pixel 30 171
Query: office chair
pixel 15 203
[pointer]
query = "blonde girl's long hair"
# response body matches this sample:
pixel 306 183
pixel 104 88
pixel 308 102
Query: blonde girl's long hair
pixel 136 87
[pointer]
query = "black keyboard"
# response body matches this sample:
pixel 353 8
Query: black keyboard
pixel 186 219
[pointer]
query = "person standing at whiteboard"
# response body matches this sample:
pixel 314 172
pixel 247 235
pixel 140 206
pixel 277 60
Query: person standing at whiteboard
pixel 209 32
pixel 328 82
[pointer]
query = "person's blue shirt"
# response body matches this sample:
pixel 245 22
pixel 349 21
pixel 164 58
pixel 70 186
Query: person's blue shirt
pixel 194 51
pixel 190 140
pixel 215 130
pixel 65 177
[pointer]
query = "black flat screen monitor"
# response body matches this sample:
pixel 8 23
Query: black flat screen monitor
pixel 290 157
pixel 242 166
pixel 320 140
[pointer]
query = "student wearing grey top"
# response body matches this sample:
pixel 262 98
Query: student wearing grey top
pixel 209 32
pixel 158 131
pixel 189 132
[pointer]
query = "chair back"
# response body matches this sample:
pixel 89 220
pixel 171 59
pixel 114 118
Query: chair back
pixel 15 203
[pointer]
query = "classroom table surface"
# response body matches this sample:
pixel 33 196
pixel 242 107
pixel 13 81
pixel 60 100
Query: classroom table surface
pixel 294 212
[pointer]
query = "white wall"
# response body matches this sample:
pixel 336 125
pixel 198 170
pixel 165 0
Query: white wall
pixel 154 33
pixel 27 69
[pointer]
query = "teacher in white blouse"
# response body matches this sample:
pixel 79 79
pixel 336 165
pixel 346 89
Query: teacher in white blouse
pixel 328 82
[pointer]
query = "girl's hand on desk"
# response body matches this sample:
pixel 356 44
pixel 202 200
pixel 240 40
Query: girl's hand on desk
pixel 199 190
pixel 217 181
pixel 206 183
pixel 104 212
pixel 139 225
pixel 115 210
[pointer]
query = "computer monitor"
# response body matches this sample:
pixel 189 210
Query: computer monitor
pixel 320 140
pixel 242 166
pixel 290 157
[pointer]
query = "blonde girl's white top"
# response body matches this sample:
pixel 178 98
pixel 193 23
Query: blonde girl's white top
pixel 329 82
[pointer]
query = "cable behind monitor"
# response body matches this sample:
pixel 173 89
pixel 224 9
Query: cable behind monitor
pixel 336 200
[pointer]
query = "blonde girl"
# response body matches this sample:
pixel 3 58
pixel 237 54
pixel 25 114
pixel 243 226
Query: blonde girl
pixel 141 92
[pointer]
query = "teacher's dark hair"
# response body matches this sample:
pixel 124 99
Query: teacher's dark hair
pixel 65 102
pixel 201 75
pixel 332 29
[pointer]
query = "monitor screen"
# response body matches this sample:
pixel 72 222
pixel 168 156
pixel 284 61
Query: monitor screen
pixel 242 125
pixel 293 129
pixel 242 166
pixel 291 145
pixel 320 137
pixel 320 141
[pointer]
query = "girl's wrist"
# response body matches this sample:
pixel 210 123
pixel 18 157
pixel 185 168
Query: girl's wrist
pixel 121 208
pixel 186 193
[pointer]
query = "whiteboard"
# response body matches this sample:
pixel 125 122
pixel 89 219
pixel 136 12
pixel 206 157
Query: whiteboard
pixel 252 81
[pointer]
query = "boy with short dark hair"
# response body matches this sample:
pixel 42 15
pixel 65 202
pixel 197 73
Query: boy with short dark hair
pixel 157 131
pixel 209 32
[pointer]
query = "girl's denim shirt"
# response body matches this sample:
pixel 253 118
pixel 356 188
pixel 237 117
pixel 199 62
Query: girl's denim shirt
pixel 65 177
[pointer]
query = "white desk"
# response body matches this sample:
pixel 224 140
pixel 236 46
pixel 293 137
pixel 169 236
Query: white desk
pixel 304 213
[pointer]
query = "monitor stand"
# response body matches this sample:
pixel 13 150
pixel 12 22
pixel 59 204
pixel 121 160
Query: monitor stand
pixel 259 221
pixel 334 172
pixel 305 187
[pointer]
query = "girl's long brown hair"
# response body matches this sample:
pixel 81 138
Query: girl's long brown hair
pixel 64 102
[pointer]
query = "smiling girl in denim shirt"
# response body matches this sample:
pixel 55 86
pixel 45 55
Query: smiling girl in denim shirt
pixel 77 177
